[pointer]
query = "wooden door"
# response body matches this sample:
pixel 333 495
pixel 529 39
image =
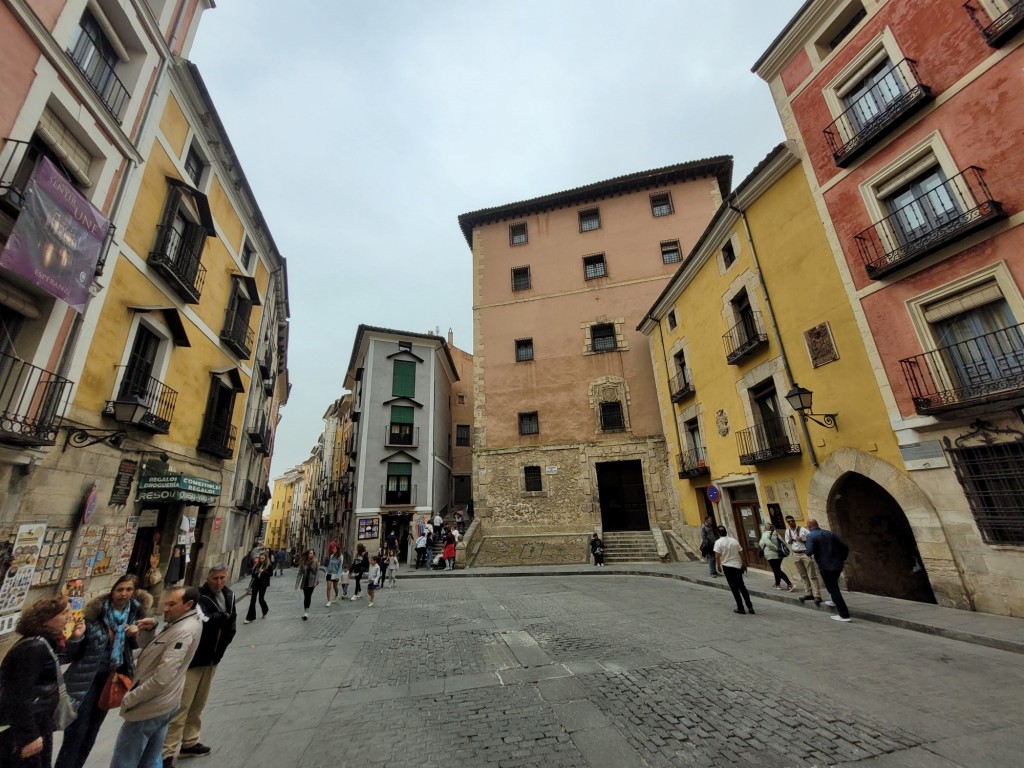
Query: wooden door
pixel 747 515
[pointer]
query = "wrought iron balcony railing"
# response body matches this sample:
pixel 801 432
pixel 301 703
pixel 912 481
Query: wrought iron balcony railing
pixel 769 440
pixel 100 74
pixel 1000 29
pixel 266 364
pixel 681 386
pixel 237 334
pixel 32 402
pixel 158 397
pixel 985 369
pixel 259 435
pixel 395 436
pixel 268 385
pixel 693 463
pixel 398 498
pixel 176 258
pixel 943 215
pixel 744 338
pixel 896 95
pixel 218 438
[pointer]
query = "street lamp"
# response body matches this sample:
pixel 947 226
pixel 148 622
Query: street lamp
pixel 799 400
pixel 127 410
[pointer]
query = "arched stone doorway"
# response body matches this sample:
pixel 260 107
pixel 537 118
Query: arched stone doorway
pixel 884 559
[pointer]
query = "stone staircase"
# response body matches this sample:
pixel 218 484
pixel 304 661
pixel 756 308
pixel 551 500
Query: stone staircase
pixel 630 547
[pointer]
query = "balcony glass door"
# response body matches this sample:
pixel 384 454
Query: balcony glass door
pixel 982 346
pixel 922 206
pixel 872 95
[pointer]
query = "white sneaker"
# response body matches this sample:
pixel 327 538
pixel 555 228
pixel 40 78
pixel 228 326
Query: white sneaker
pixel 328 603
pixel 247 621
pixel 830 604
pixel 353 598
pixel 371 606
pixel 305 617
pixel 840 618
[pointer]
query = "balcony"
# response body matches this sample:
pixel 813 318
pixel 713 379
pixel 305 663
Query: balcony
pixel 405 498
pixel 945 214
pixel 1001 29
pixel 259 435
pixel 32 402
pixel 896 95
pixel 693 464
pixel 176 259
pixel 771 439
pixel 237 334
pixel 100 74
pixel 983 370
pixel 745 338
pixel 681 387
pixel 217 438
pixel 157 397
pixel 268 385
pixel 401 436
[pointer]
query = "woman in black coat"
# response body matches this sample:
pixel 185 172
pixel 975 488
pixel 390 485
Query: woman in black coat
pixel 111 631
pixel 262 570
pixel 28 684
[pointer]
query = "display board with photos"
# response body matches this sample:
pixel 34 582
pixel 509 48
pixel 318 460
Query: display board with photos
pixel 52 554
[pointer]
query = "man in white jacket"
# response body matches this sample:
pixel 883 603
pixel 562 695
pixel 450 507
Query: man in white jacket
pixel 159 680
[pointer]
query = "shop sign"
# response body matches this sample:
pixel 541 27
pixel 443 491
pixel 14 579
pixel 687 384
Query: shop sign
pixel 123 482
pixel 18 577
pixel 171 488
pixel 149 518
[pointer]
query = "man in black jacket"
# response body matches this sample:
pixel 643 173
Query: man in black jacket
pixel 217 605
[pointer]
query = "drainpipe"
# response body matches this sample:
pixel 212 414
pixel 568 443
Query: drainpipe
pixel 675 420
pixel 775 328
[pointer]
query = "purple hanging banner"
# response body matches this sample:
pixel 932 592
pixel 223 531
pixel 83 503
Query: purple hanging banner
pixel 57 239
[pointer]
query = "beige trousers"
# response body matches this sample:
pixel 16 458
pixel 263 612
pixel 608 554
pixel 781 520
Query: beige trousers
pixel 808 571
pixel 187 723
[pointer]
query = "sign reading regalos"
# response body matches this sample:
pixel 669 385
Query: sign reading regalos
pixel 57 239
pixel 172 488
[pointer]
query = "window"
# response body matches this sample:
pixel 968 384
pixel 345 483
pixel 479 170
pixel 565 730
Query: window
pixel 672 320
pixel 403 378
pixel 237 334
pixel 693 442
pixel 400 431
pixel 728 255
pixel 524 350
pixel 462 434
pixel 218 434
pixel 869 97
pixel 248 256
pixel 521 279
pixel 682 373
pixel 405 346
pixel 670 252
pixel 594 267
pixel 529 424
pixel 993 483
pixel 137 379
pixel 194 165
pixel 96 56
pixel 532 479
pixel 611 417
pixel 517 233
pixel 921 206
pixel 180 238
pixel 981 346
pixel 661 204
pixel 462 399
pixel 590 219
pixel 399 487
pixel 602 337
pixel 841 28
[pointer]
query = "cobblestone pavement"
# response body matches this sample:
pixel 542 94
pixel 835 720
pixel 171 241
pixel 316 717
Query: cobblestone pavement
pixel 613 671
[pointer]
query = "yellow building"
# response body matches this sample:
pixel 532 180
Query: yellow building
pixel 756 308
pixel 281 503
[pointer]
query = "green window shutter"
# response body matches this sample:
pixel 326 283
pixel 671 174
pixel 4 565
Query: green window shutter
pixel 399 468
pixel 401 414
pixel 403 381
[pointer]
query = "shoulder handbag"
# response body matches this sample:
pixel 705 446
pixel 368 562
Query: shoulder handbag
pixel 781 547
pixel 114 689
pixel 66 710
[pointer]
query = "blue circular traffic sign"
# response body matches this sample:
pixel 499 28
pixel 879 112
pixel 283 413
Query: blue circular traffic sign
pixel 713 494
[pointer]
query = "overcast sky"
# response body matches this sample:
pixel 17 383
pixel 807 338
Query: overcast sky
pixel 366 128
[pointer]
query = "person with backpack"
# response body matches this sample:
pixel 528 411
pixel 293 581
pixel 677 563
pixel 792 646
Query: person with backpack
pixel 774 549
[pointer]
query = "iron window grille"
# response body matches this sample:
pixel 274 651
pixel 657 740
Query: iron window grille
pixel 462 434
pixel 590 220
pixel 521 279
pixel 661 204
pixel 532 479
pixel 670 253
pixel 602 337
pixel 594 266
pixel 517 234
pixel 529 424
pixel 524 350
pixel 612 419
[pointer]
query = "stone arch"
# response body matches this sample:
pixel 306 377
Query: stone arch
pixel 943 570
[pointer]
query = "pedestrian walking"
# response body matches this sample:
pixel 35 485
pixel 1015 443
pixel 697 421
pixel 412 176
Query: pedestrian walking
pixel 731 560
pixel 382 560
pixel 449 550
pixel 421 551
pixel 279 560
pixel 261 574
pixel 344 583
pixel 335 565
pixel 373 578
pixel 359 566
pixel 101 653
pixel 796 538
pixel 161 669
pixel 430 550
pixel 308 578
pixel 29 676
pixel 829 554
pixel 774 549
pixel 708 536
pixel 392 569
pixel 597 550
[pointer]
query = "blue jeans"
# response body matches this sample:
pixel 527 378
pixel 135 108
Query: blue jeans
pixel 430 558
pixel 139 744
pixel 712 570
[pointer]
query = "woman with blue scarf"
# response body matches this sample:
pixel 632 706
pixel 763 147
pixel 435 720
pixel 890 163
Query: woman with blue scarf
pixel 111 631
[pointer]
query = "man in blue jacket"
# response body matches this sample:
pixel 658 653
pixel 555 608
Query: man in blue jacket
pixel 829 554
